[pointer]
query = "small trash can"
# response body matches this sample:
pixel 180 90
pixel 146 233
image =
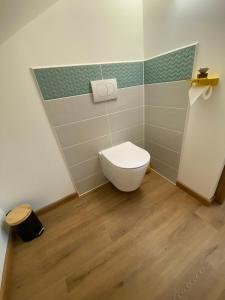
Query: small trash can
pixel 24 222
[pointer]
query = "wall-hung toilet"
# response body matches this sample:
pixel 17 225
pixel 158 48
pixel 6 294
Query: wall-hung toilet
pixel 124 165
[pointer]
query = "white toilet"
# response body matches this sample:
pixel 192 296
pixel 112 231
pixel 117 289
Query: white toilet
pixel 125 165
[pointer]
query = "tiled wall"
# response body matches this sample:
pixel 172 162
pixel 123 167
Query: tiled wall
pixel 173 66
pixel 165 113
pixel 83 128
pixel 166 102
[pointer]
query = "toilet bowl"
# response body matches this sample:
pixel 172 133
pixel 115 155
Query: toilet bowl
pixel 124 165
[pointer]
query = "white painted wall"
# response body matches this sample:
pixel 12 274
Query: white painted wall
pixel 15 14
pixel 3 242
pixel 68 32
pixel 173 24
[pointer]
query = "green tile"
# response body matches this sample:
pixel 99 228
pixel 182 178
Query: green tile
pixel 127 74
pixel 173 66
pixel 66 81
pixel 75 80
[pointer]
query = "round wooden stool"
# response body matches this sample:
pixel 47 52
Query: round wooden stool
pixel 25 222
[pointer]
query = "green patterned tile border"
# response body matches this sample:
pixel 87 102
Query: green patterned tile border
pixel 66 81
pixel 173 66
pixel 127 74
pixel 59 82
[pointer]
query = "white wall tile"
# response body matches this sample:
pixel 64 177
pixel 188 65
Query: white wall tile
pixel 85 169
pixel 140 144
pixel 170 118
pixel 72 109
pixel 124 119
pixel 131 134
pixel 147 114
pixel 164 137
pixel 164 169
pixel 127 98
pixel 85 151
pixel 91 183
pixel 163 154
pixel 82 131
pixel 167 94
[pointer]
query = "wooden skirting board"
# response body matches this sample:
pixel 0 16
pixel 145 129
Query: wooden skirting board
pixel 55 204
pixel 199 197
pixel 220 191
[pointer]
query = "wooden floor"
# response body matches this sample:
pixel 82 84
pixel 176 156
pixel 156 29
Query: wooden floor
pixel 154 243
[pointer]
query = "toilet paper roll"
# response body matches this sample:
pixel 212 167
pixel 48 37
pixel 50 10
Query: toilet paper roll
pixel 196 92
pixel 207 93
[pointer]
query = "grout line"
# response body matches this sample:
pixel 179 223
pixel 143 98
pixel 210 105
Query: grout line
pixel 95 188
pixel 163 176
pixel 86 94
pixel 87 141
pixel 94 157
pixel 83 161
pixel 173 130
pixel 80 121
pixel 109 125
pixel 102 136
pixel 138 141
pixel 91 175
pixel 143 73
pixel 108 116
pixel 167 82
pixel 101 71
pixel 159 145
pixel 108 122
pixel 128 109
pixel 166 107
pixel 66 97
pixel 100 116
pixel 126 128
pixel 164 163
pixel 143 130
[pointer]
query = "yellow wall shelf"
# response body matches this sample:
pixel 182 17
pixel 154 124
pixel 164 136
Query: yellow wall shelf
pixel 205 81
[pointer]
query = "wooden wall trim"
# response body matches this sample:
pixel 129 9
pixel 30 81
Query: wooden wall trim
pixel 55 204
pixel 6 268
pixel 199 197
pixel 220 191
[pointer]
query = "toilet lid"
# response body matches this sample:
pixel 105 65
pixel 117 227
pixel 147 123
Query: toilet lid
pixel 127 155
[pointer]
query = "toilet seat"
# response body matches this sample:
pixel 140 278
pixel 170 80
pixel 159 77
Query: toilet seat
pixel 126 156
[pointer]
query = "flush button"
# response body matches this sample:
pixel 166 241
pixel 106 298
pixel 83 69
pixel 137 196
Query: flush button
pixel 110 89
pixel 104 90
